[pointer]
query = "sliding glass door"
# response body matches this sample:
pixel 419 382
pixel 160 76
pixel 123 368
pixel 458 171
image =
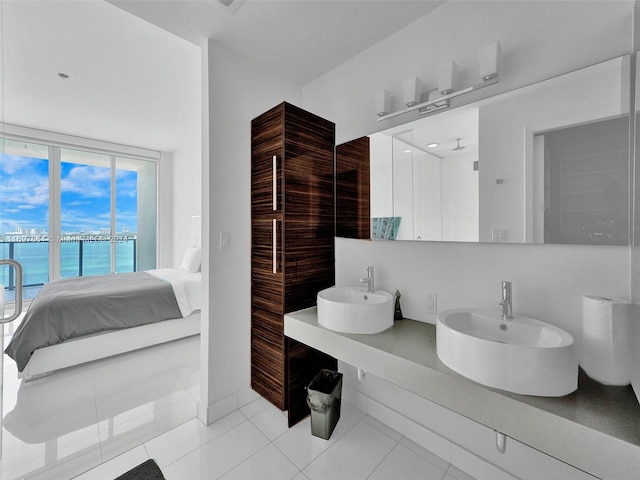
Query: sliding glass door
pixel 68 212
pixel 85 213
pixel 24 213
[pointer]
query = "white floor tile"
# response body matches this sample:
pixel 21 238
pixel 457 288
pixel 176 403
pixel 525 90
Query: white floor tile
pixel 116 437
pixel 352 457
pixel 454 473
pixel 117 466
pixel 423 452
pixel 255 407
pixel 271 421
pixel 178 442
pixel 218 456
pixel 47 420
pixel 383 428
pixel 302 448
pixel 126 385
pixel 267 464
pixel 407 465
pixel 45 468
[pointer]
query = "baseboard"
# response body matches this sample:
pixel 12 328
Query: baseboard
pixel 215 411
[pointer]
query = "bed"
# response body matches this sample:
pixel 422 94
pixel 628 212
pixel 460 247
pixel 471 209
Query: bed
pixel 78 320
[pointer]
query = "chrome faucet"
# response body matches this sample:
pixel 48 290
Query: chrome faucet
pixel 369 280
pixel 506 303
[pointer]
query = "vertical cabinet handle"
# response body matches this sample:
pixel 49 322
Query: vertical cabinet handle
pixel 274 230
pixel 275 183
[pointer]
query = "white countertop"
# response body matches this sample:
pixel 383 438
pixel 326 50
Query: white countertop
pixel 596 428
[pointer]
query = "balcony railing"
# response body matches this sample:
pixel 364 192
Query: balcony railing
pixel 87 258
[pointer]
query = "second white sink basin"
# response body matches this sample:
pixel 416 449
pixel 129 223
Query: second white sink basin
pixel 354 310
pixel 522 355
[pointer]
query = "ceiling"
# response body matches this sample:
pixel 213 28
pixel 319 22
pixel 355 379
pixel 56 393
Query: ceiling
pixel 133 83
pixel 300 39
pixel 129 81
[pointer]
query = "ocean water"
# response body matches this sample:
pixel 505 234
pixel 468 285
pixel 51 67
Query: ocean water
pixel 34 257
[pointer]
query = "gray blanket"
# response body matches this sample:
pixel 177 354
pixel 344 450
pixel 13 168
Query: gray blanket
pixel 74 307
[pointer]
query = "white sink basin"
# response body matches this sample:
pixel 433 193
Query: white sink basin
pixel 522 355
pixel 354 310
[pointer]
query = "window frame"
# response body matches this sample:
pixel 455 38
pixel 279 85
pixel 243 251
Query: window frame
pixel 58 141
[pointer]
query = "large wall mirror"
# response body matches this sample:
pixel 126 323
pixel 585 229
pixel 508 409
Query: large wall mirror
pixel 546 163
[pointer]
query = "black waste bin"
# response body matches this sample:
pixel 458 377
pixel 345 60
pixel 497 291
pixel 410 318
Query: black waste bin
pixel 323 397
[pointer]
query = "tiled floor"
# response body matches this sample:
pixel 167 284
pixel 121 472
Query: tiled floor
pixel 99 420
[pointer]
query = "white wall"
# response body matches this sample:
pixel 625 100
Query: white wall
pixel 180 199
pixel 539 40
pixel 234 92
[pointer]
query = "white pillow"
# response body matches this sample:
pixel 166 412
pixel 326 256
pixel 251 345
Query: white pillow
pixel 191 260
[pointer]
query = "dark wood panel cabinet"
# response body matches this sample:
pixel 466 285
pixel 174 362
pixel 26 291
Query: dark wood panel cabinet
pixel 353 198
pixel 292 247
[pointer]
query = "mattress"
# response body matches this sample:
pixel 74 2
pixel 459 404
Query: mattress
pixel 76 307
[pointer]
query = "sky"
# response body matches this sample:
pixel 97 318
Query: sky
pixel 85 196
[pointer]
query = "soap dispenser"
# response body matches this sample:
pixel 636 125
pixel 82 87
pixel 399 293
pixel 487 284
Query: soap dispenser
pixel 397 314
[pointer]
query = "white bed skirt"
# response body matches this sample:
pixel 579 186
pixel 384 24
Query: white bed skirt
pixel 103 345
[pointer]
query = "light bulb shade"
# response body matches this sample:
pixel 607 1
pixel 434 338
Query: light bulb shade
pixel 489 61
pixel 412 87
pixel 447 77
pixel 383 102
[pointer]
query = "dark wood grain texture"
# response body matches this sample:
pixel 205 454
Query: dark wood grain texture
pixel 353 215
pixel 303 144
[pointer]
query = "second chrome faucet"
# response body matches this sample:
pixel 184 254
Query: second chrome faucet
pixel 369 280
pixel 506 304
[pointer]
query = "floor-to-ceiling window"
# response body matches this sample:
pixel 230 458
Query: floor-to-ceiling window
pixel 75 210
pixel 24 213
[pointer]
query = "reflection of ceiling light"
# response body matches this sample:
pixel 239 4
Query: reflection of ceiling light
pixel 432 145
pixel 458 147
pixel 407 151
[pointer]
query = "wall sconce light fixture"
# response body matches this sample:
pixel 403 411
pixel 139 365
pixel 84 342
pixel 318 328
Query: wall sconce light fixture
pixel 489 61
pixel 438 99
pixel 447 74
pixel 412 87
pixel 383 102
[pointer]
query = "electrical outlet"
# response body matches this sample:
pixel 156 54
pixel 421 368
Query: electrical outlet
pixel 499 235
pixel 432 303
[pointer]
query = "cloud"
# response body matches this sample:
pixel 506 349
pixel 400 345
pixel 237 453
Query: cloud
pixel 25 188
pixel 12 164
pixel 87 181
pixel 24 194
